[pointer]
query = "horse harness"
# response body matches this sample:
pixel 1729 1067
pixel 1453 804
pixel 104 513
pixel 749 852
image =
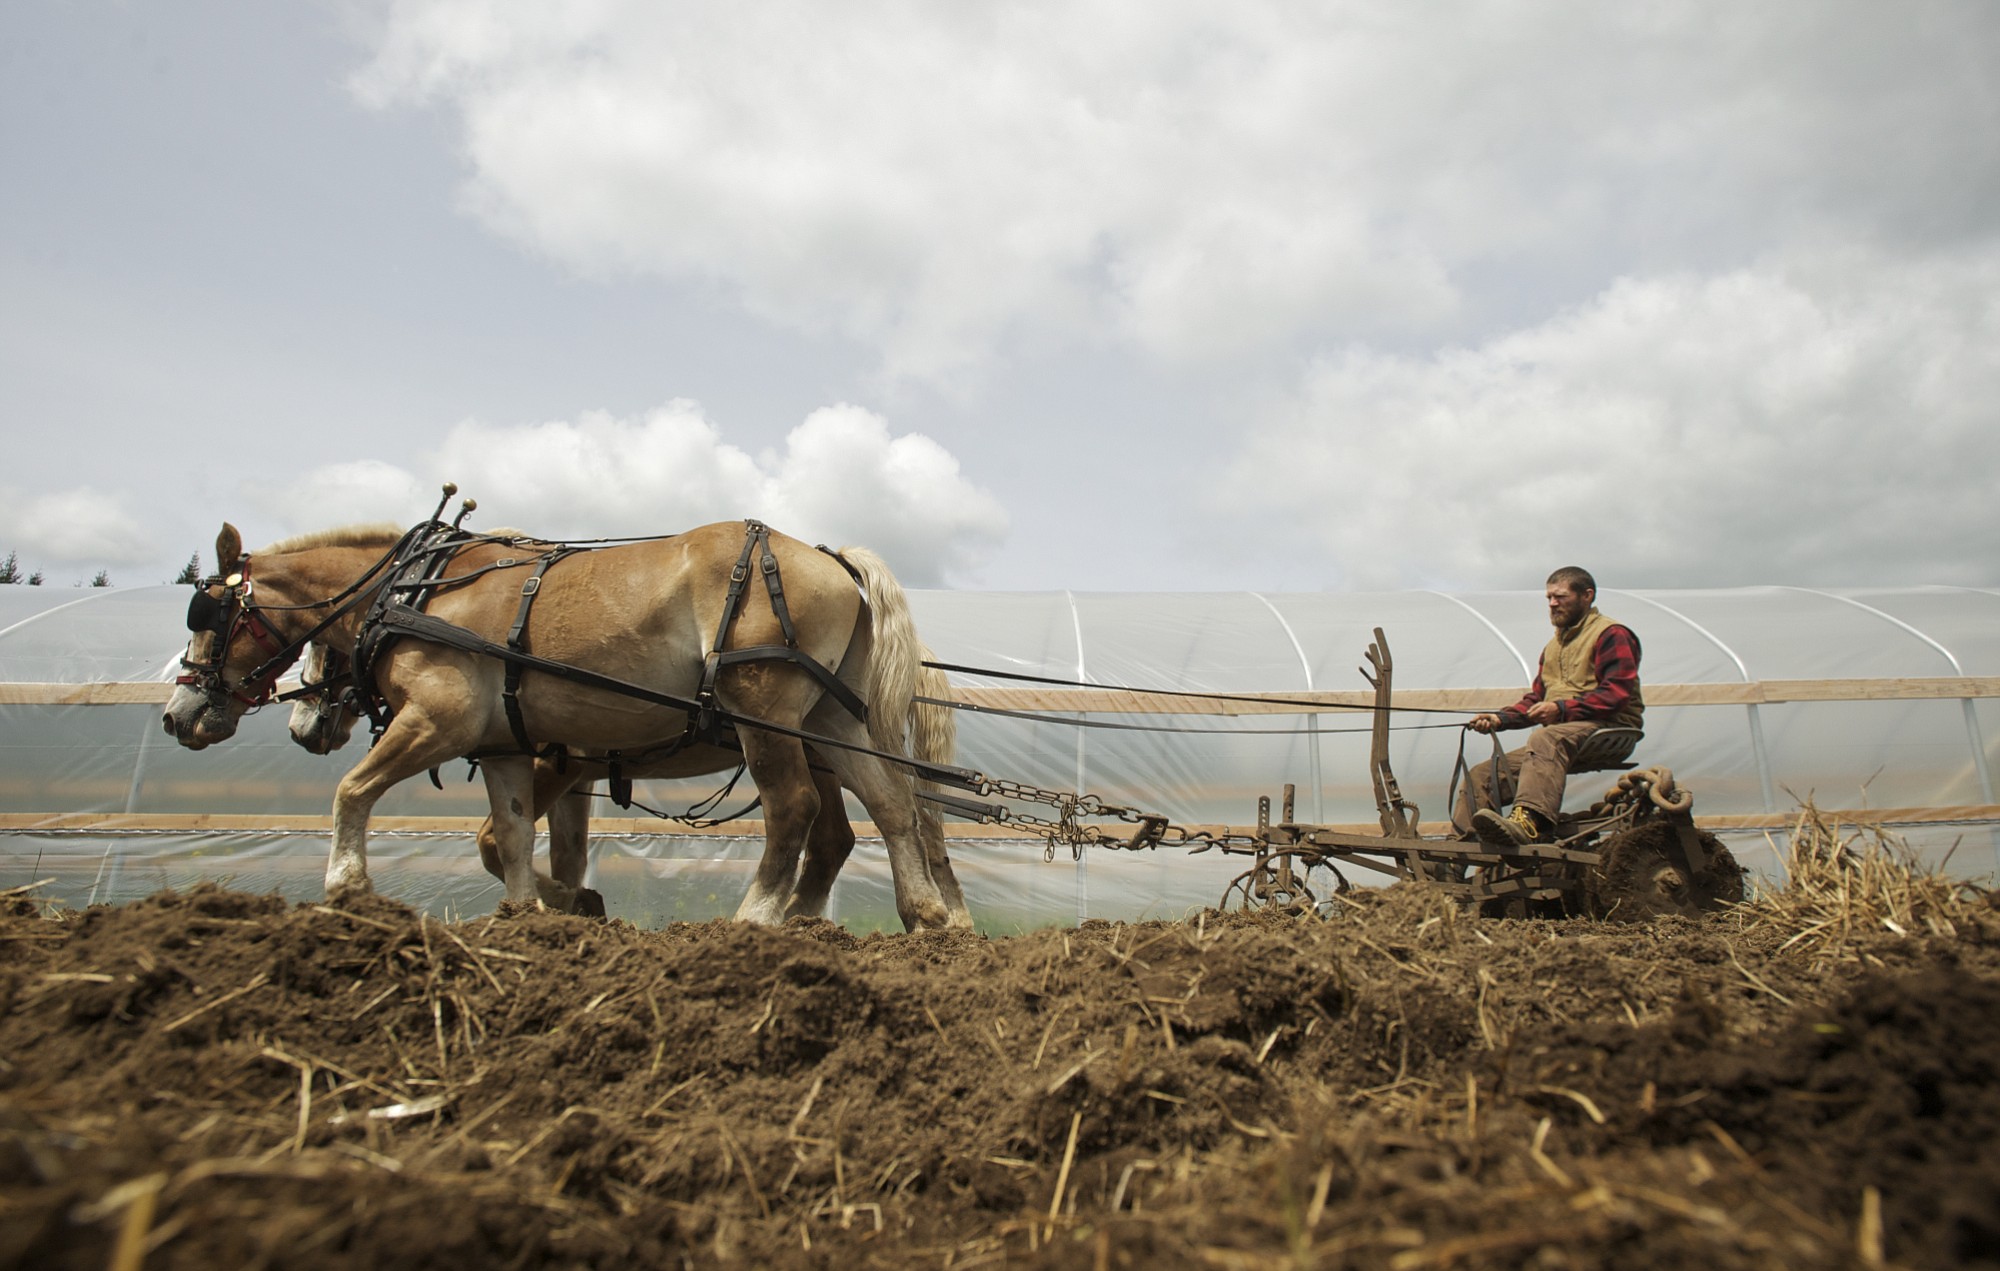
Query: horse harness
pixel 399 610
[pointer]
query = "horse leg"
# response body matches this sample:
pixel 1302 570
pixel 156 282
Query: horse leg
pixel 411 744
pixel 510 797
pixel 930 831
pixel 791 802
pixel 569 847
pixel 885 791
pixel 569 833
pixel 827 849
pixel 559 890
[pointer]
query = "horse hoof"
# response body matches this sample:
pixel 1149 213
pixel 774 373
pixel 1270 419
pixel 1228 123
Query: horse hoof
pixel 349 889
pixel 589 904
pixel 929 917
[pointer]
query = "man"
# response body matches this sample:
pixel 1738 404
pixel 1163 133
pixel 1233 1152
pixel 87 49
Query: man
pixel 1588 679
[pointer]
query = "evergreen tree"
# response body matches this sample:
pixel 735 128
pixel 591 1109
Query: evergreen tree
pixel 10 569
pixel 103 578
pixel 190 572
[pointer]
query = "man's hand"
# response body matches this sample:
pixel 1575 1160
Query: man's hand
pixel 1485 723
pixel 1544 713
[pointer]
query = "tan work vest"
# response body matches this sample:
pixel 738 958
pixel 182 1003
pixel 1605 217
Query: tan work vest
pixel 1567 669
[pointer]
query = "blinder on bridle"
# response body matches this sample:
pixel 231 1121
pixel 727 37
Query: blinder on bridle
pixel 221 615
pixel 207 612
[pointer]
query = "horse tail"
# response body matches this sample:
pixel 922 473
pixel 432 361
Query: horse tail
pixel 933 729
pixel 897 721
pixel 933 739
pixel 896 660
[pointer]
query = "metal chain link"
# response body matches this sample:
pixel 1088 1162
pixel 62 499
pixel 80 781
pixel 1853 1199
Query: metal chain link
pixel 1069 829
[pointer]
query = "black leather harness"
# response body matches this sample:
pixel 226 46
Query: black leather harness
pixel 416 576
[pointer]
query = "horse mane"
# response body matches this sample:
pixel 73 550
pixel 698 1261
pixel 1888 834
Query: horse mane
pixel 380 534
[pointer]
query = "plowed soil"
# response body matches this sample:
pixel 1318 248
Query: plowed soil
pixel 215 1079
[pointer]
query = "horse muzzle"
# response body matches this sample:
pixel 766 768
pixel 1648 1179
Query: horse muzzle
pixel 196 720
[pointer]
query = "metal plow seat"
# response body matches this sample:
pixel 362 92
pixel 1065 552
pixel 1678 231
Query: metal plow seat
pixel 1606 749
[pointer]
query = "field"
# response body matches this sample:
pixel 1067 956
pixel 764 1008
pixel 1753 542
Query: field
pixel 214 1079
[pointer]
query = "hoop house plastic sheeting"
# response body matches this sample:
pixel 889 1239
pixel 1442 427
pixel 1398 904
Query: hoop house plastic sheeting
pixel 1758 697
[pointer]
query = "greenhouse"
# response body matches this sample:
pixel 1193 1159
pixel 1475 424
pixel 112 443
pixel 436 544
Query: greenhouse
pixel 1880 702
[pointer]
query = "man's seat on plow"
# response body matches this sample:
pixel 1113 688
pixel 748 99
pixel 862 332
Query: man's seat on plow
pixel 1606 749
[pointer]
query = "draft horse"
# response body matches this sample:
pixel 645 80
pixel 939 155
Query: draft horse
pixel 502 648
pixel 322 721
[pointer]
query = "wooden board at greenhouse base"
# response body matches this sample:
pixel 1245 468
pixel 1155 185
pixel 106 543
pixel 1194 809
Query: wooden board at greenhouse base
pixel 217 1079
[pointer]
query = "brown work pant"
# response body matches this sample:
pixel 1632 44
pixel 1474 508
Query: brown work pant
pixel 1531 776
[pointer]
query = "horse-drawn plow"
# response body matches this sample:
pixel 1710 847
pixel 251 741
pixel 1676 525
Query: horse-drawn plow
pixel 783 697
pixel 1634 853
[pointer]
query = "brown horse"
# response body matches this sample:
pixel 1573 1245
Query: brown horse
pixel 322 723
pixel 641 614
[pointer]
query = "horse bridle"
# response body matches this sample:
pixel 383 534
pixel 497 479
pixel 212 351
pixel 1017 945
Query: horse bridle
pixel 235 609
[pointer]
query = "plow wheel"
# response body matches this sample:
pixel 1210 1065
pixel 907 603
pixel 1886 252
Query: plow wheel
pixel 1643 873
pixel 1276 884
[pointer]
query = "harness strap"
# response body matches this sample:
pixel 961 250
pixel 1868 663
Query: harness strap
pixel 510 692
pixel 832 683
pixel 706 723
pixel 739 574
pixel 401 620
pixel 772 584
pixel 848 565
pixel 422 554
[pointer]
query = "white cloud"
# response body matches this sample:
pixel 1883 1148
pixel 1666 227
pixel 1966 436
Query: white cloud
pixel 1822 417
pixel 903 496
pixel 1197 180
pixel 78 526
pixel 841 478
pixel 342 493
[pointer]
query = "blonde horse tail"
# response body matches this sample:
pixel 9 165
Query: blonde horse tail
pixel 933 739
pixel 900 724
pixel 897 656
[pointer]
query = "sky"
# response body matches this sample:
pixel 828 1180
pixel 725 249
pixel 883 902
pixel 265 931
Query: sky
pixel 1116 295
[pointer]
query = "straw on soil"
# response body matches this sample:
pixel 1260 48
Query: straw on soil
pixel 1812 1078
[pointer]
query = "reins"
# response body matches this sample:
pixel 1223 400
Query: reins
pixel 990 673
pixel 975 708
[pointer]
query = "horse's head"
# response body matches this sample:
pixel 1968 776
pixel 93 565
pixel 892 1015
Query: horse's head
pixel 233 658
pixel 322 721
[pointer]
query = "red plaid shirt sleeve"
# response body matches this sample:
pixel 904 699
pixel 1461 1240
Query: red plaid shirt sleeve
pixel 1516 716
pixel 1615 661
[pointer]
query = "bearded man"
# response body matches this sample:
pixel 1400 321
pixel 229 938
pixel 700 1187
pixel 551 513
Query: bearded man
pixel 1588 679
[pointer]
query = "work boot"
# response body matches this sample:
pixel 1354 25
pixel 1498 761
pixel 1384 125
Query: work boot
pixel 1519 828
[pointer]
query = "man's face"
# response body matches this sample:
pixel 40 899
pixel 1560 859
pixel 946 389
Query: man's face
pixel 1566 606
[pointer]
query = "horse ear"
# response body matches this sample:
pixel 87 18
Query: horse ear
pixel 228 549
